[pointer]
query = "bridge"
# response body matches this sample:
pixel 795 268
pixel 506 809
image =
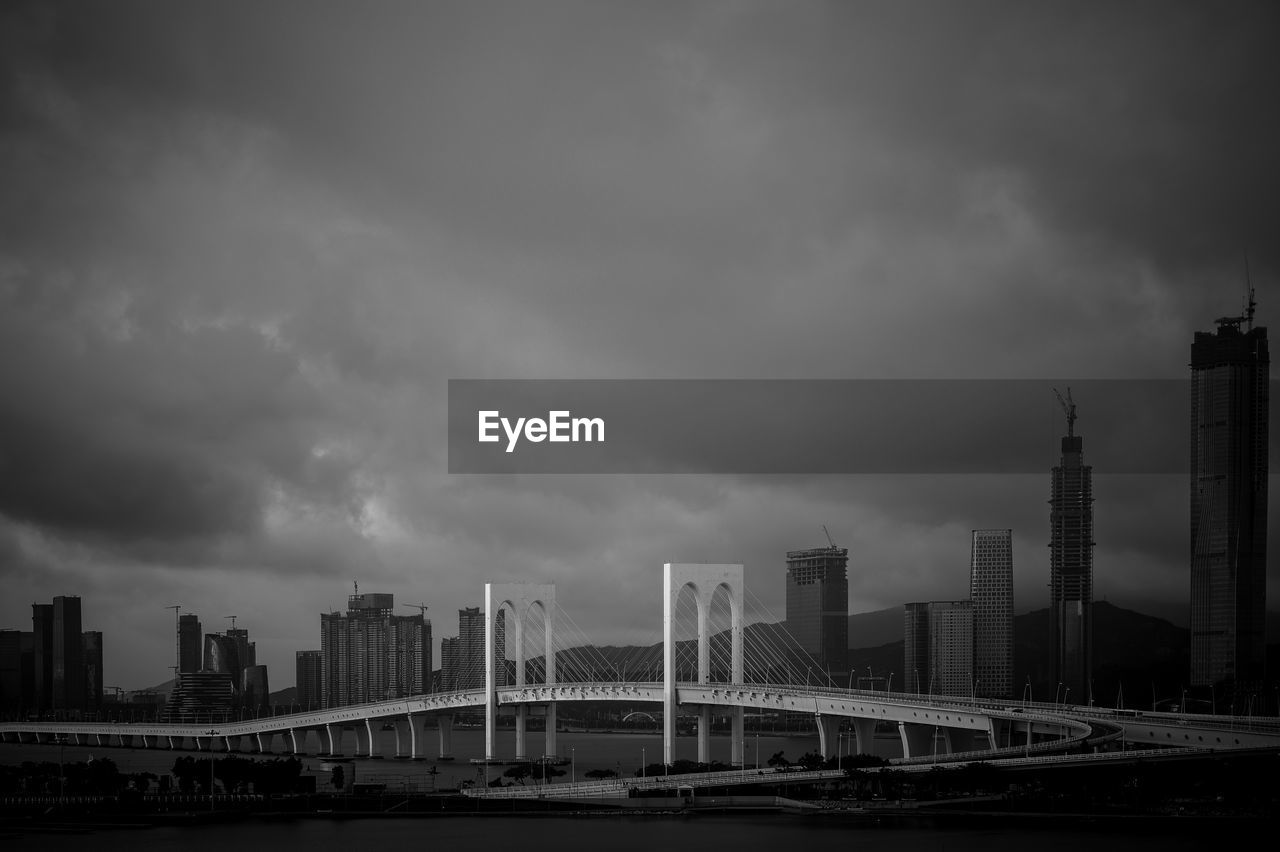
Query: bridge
pixel 931 729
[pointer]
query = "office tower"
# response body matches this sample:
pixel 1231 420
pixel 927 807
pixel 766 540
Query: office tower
pixel 449 664
pixel 1229 374
pixel 12 696
pixel 308 665
pixel 190 643
pixel 1071 564
pixel 255 690
pixel 42 656
pixel 938 647
pixel 222 656
pixel 915 648
pixel 818 605
pixel 951 647
pixel 91 642
pixel 991 595
pixel 370 654
pixel 200 697
pixel 468 670
pixel 68 654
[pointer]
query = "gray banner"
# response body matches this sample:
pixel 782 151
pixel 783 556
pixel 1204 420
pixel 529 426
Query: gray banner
pixel 814 426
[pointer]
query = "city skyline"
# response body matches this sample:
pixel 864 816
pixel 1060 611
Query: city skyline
pixel 245 250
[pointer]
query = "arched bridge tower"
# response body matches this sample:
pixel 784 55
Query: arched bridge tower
pixel 519 599
pixel 704 581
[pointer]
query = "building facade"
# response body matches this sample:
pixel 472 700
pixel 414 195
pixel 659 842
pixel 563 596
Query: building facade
pixel 308 666
pixel 190 643
pixel 1071 567
pixel 938 648
pixel 818 605
pixel 991 596
pixel 1230 370
pixel 371 654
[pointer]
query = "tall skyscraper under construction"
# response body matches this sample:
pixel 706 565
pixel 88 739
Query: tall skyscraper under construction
pixel 1071 563
pixel 818 604
pixel 1230 369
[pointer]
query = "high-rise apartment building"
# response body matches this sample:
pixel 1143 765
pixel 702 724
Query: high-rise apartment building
pixel 42 656
pixel 1229 397
pixel 308 665
pixel 938 648
pixel 68 654
pixel 450 673
pixel 92 654
pixel 991 595
pixel 371 654
pixel 1071 564
pixel 467 669
pixel 190 643
pixel 818 604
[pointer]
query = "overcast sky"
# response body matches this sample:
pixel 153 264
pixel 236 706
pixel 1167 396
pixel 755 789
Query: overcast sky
pixel 243 247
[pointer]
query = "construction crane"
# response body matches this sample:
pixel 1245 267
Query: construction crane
pixel 1069 409
pixel 828 535
pixel 233 620
pixel 421 607
pixel 177 640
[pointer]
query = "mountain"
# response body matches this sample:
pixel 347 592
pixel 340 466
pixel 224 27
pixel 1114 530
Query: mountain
pixel 870 629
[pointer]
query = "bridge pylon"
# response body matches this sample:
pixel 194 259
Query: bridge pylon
pixel 704 580
pixel 519 599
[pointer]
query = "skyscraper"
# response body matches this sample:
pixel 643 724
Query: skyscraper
pixel 818 604
pixel 1229 374
pixel 991 594
pixel 369 654
pixel 468 666
pixel 91 642
pixel 68 654
pixel 1071 563
pixel 938 648
pixel 308 665
pixel 190 643
pixel 42 656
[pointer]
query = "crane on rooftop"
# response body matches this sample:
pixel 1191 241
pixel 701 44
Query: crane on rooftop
pixel 1068 408
pixel 421 607
pixel 233 620
pixel 828 535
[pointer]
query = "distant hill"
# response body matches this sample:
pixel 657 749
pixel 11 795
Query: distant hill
pixel 1147 655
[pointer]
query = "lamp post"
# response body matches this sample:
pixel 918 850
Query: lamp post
pixel 62 741
pixel 757 748
pixel 211 733
pixel 889 687
pixel 573 766
pixel 1057 690
pixel 642 763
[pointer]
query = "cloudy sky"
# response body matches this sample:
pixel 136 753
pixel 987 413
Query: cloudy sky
pixel 244 246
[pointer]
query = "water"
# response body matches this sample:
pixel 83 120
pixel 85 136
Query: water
pixel 615 833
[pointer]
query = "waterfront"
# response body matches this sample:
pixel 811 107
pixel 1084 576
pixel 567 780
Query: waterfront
pixel 616 833
pixel 619 752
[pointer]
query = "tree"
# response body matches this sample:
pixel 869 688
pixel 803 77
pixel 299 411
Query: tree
pixel 518 773
pixel 779 760
pixel 811 760
pixel 599 774
pixel 338 778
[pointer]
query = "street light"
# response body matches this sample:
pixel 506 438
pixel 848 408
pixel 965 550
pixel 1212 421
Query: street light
pixel 642 763
pixel 211 733
pixel 889 688
pixel 573 766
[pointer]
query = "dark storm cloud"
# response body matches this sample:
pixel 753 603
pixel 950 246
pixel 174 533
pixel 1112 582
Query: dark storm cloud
pixel 243 246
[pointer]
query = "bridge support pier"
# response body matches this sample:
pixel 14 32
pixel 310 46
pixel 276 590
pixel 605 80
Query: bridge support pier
pixel 334 735
pixel 522 720
pixel 737 737
pixel 446 735
pixel 551 729
pixel 704 733
pixel 917 740
pixel 828 735
pixel 405 736
pixel 864 732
